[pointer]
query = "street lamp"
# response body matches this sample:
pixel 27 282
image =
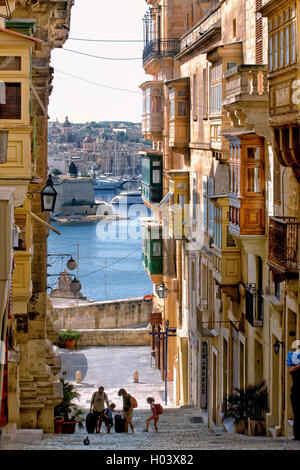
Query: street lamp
pixel 162 291
pixel 71 264
pixel 75 285
pixel 276 346
pixel 48 195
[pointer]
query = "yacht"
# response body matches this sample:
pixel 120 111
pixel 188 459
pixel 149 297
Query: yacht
pixel 104 182
pixel 128 198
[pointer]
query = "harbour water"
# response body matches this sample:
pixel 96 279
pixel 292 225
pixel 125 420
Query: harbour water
pixel 110 254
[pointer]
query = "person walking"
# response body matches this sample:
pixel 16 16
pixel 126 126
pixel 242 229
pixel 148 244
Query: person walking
pixel 127 409
pixel 108 416
pixel 154 416
pixel 97 406
pixel 295 400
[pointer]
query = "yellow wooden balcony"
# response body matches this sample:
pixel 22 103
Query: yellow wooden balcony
pixel 179 112
pixel 22 287
pixel 176 201
pixel 15 80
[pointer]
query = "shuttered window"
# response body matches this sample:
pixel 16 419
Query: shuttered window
pixel 259 34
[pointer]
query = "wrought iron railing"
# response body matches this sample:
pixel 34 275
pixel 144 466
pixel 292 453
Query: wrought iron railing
pixel 283 244
pixel 161 47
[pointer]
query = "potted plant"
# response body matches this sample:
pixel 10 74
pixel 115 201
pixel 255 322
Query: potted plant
pixel 235 407
pixel 68 338
pixel 67 413
pixel 257 405
pixel 58 420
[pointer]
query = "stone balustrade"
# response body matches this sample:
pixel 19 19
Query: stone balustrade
pixel 245 82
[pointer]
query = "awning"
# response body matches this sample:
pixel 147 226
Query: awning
pixel 165 199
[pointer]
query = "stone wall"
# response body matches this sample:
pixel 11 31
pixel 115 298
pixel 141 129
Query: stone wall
pixel 114 337
pixel 73 193
pixel 111 314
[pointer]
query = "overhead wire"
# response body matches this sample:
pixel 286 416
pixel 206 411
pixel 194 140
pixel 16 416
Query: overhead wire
pixel 100 57
pixel 100 269
pixel 106 40
pixel 97 83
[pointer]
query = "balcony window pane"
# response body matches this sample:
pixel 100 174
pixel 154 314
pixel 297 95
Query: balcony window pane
pixel 10 63
pixel 182 109
pixel 181 201
pixel 144 102
pixel 271 53
pixel 287 46
pixel 156 176
pixel 10 100
pixel 172 110
pixel 156 247
pixel 230 239
pixel 253 153
pixel 275 51
pixel 156 104
pixel 148 101
pixel 281 50
pixel 253 180
pixel 293 43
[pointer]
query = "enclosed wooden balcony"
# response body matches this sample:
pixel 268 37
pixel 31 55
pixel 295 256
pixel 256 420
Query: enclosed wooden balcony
pixel 179 112
pixel 152 249
pixel 151 177
pixel 152 117
pixel 247 185
pixel 283 246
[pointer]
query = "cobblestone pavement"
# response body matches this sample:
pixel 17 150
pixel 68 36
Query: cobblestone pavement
pixel 113 368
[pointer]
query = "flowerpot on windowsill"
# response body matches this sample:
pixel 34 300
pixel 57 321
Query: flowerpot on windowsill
pixel 241 426
pixel 68 427
pixel 58 425
pixel 256 427
pixel 70 343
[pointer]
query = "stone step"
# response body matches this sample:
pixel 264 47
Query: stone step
pixel 22 436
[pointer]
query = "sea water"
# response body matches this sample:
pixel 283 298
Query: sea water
pixel 110 255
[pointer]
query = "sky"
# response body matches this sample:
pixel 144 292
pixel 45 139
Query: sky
pixel 81 101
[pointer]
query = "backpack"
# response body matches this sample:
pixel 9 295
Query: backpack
pixel 159 408
pixel 134 403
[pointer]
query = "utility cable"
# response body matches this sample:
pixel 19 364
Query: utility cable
pixel 100 57
pixel 105 40
pixel 121 259
pixel 98 84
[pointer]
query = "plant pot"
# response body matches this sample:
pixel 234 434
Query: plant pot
pixel 256 427
pixel 58 425
pixel 68 427
pixel 241 427
pixel 70 343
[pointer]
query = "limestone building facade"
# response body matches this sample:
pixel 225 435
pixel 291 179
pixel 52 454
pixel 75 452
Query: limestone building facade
pixel 30 30
pixel 222 181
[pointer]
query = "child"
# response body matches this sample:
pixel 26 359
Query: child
pixel 108 419
pixel 154 416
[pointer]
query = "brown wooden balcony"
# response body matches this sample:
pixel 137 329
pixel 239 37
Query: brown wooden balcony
pixel 283 246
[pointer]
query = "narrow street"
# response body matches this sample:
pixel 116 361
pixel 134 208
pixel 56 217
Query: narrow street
pixel 179 428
